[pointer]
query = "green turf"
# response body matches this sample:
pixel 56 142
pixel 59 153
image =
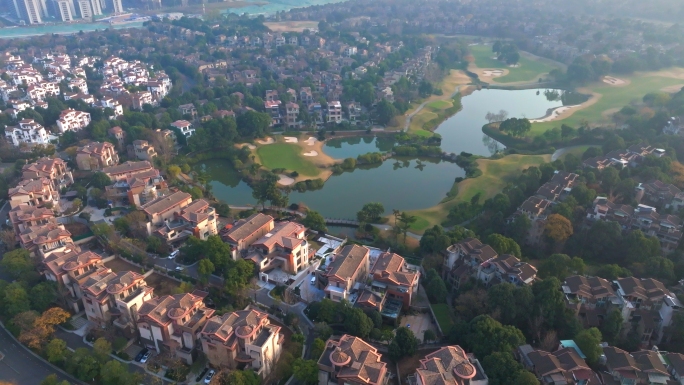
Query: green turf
pixel 611 97
pixel 443 315
pixel 423 133
pixel 439 104
pixel 528 70
pixel 421 224
pixel 287 156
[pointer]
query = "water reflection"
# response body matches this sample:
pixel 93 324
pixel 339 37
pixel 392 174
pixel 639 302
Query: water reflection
pixel 341 148
pixel 492 145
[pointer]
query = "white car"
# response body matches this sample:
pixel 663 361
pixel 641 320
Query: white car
pixel 173 254
pixel 209 376
pixel 178 268
pixel 145 357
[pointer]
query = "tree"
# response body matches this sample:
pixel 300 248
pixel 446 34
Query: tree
pixel 83 365
pixel 561 266
pixel 115 373
pixel 317 348
pixel 610 177
pixel 436 290
pixel 386 112
pixel 429 335
pixel 376 317
pixel 36 334
pixel 205 268
pixel 100 180
pixel 548 301
pixel 503 245
pixel 101 349
pixel 173 171
pixel 486 336
pixel 403 222
pixel 8 238
pixel 16 300
pixel 515 126
pixel 357 323
pixel 56 350
pixel 42 295
pixel 370 213
pixel 240 377
pixel 588 341
pixel 253 124
pixel 17 262
pixel 519 229
pixel 525 378
pixel 49 380
pixel 403 344
pixel 558 228
pixel 611 326
pixel 501 368
pixel 306 371
pixel 612 272
pixel 314 221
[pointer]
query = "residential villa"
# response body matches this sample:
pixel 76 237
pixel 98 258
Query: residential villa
pixel 72 120
pixel 34 192
pixel 172 323
pixel 351 360
pixel 347 268
pixel 28 132
pixel 197 219
pixel 24 216
pixel 564 366
pixel 450 365
pixel 164 209
pixel 136 189
pixel 127 169
pixel 120 136
pixel 143 150
pixel 69 268
pixel 115 298
pixel 243 339
pixel 247 231
pixel 185 127
pixel 392 279
pixel 284 246
pixel 44 239
pixel 96 156
pixel 642 367
pixel 54 169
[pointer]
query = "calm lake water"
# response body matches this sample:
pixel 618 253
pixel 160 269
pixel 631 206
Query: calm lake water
pixel 463 131
pixel 393 183
pixel 404 184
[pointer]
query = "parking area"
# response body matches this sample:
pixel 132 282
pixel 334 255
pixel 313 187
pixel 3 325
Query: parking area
pixel 419 323
pixel 309 292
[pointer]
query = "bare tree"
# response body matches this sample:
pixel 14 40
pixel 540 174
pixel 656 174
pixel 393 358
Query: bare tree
pixel 491 117
pixel 7 237
pixel 502 115
pixel 549 342
pixel 164 146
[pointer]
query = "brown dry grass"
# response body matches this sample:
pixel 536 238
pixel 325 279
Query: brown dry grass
pixel 118 264
pixel 291 26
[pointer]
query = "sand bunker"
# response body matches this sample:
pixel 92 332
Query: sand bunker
pixel 311 141
pixel 554 114
pixel 267 141
pixel 614 81
pixel 290 139
pixel 250 146
pixel 492 73
pixel 311 153
pixel 285 180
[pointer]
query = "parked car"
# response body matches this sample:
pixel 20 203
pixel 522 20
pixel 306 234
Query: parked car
pixel 141 354
pixel 174 254
pixel 209 376
pixel 178 268
pixel 145 357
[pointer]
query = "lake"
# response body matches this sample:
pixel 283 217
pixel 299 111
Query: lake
pixel 402 184
pixel 394 183
pixel 463 131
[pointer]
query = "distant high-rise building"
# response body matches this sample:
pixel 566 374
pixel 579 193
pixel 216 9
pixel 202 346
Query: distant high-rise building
pixel 118 7
pixel 65 10
pixel 32 11
pixel 89 8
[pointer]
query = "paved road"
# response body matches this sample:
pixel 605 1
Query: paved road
pixel 21 367
pixel 191 270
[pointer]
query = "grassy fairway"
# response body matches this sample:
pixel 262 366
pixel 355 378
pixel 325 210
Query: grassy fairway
pixel 609 97
pixel 287 156
pixel 527 71
pixel 495 175
pixel 439 104
pixel 443 315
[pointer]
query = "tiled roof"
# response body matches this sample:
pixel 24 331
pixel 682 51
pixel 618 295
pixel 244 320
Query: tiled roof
pixel 162 309
pixel 447 366
pixel 362 364
pixel 127 167
pixel 589 287
pixel 348 261
pixel 390 266
pixel 647 288
pixel 284 234
pixel 245 227
pixel 165 203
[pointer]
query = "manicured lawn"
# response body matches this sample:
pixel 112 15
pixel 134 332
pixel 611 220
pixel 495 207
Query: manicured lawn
pixel 527 70
pixel 287 156
pixel 495 175
pixel 439 104
pixel 577 151
pixel 421 224
pixel 611 97
pixel 424 116
pixel 443 315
